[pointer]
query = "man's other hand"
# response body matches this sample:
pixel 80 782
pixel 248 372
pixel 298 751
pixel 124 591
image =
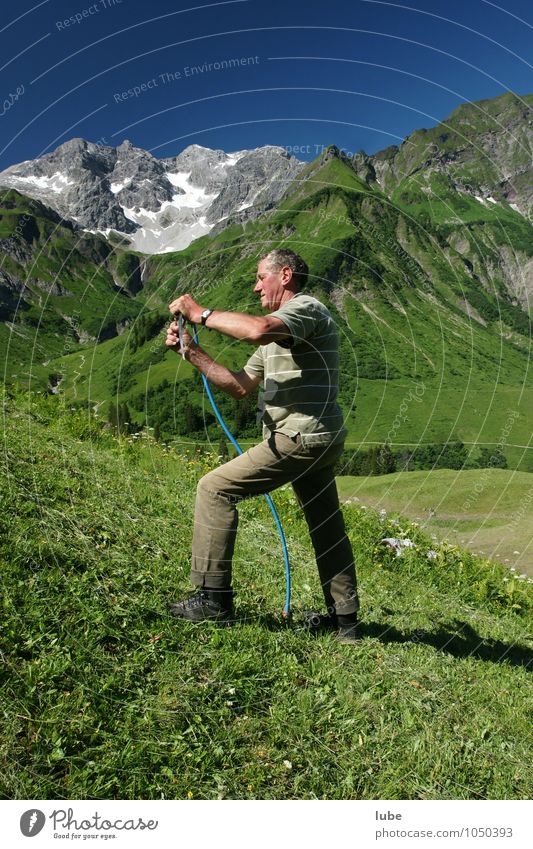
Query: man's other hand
pixel 173 339
pixel 188 307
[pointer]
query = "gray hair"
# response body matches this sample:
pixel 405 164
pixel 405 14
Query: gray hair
pixel 279 258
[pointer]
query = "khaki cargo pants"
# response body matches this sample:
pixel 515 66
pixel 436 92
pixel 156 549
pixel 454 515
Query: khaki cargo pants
pixel 280 459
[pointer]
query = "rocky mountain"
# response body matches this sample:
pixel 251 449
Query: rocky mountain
pixel 485 149
pixel 160 205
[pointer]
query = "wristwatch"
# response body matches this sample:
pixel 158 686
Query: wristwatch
pixel 205 316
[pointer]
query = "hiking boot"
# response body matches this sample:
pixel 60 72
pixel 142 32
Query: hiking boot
pixel 317 622
pixel 345 625
pixel 348 632
pixel 204 605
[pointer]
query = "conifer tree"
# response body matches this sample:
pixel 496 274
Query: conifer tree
pixel 385 460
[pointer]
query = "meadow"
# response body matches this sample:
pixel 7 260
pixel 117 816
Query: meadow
pixel 104 696
pixel 488 511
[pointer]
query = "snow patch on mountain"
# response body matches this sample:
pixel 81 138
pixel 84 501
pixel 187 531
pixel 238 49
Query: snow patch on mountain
pixel 55 183
pixel 117 187
pixel 193 195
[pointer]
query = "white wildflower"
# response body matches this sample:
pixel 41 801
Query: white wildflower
pixel 398 545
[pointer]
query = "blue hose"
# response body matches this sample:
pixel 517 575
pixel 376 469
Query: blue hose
pixel 223 425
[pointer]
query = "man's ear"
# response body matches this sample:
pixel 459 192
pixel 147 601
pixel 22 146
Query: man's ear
pixel 287 274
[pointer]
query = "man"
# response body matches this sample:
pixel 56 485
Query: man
pixel 303 436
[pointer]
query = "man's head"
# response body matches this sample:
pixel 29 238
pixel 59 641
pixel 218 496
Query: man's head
pixel 280 275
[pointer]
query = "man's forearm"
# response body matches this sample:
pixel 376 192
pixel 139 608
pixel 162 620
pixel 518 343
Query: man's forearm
pixel 216 373
pixel 256 329
pixel 238 325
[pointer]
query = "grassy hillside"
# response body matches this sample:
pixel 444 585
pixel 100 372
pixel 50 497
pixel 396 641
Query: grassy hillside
pixel 60 288
pixel 481 145
pixel 486 510
pixel 104 696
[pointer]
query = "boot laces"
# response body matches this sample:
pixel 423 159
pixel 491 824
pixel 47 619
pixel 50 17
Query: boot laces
pixel 197 599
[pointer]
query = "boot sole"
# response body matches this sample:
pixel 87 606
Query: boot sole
pixel 221 618
pixel 350 639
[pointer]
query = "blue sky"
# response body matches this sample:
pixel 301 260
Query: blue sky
pixel 360 74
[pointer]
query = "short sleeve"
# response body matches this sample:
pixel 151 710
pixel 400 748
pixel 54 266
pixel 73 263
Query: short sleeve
pixel 300 317
pixel 255 367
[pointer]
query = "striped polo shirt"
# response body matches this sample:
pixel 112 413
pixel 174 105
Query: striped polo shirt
pixel 300 375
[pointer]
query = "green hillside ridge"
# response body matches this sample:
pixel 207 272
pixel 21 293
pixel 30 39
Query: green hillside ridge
pixel 485 146
pixel 60 288
pixel 486 510
pixel 105 697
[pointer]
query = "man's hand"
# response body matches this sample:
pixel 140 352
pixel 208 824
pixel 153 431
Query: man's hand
pixel 188 307
pixel 237 384
pixel 173 339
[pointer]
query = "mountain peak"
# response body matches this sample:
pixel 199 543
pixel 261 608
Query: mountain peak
pixel 484 147
pixel 161 204
pixel 164 204
pixel 73 145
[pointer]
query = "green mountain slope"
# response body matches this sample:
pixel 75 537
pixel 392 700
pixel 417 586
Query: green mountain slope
pixel 105 697
pixel 59 287
pixel 484 147
pixel 403 298
pixel 431 287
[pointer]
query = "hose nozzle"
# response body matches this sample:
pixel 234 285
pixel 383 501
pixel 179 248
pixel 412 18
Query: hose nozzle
pixel 181 320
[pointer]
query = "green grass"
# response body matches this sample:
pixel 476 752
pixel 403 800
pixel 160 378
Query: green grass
pixel 103 696
pixel 486 510
pixel 479 416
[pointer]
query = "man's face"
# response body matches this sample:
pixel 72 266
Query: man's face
pixel 269 286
